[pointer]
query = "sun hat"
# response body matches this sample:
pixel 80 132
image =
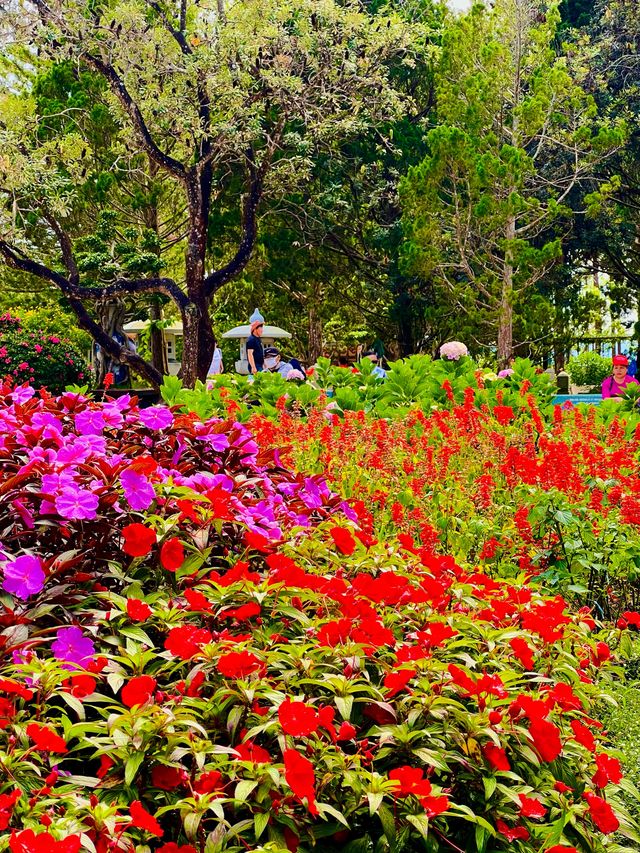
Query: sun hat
pixel 621 360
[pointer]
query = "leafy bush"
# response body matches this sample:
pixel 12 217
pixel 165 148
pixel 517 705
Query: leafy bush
pixel 37 357
pixel 415 382
pixel 589 368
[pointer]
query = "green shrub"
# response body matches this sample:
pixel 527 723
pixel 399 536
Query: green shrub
pixel 37 357
pixel 589 368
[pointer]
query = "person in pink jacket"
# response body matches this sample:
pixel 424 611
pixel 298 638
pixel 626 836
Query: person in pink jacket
pixel 616 384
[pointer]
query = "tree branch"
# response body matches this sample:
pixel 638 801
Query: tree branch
pixel 167 162
pixel 17 260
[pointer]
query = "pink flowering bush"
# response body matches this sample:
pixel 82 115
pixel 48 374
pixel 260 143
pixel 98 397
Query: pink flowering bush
pixel 202 650
pixel 36 357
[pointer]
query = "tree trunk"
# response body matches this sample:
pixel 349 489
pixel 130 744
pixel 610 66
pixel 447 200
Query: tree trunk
pixel 199 341
pixel 156 334
pixel 505 311
pixel 111 317
pixel 315 330
pixel 156 338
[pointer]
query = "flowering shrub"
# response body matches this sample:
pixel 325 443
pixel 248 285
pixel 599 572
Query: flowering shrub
pixel 37 357
pixel 204 650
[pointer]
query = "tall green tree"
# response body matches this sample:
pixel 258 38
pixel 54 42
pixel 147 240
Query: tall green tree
pixel 484 212
pixel 230 103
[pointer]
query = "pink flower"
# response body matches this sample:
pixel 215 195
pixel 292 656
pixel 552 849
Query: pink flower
pixel 156 417
pixel 72 647
pixel 90 422
pixel 37 348
pixel 22 394
pixel 137 489
pixel 23 577
pixel 76 504
pixel 23 365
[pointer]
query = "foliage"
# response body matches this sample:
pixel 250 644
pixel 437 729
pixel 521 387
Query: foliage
pixel 31 354
pixel 480 212
pixel 415 381
pixel 229 109
pixel 589 368
pixel 184 664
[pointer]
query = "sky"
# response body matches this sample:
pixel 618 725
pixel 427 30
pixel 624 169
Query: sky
pixel 459 5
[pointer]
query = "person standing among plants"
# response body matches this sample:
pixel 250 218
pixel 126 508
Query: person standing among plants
pixel 616 385
pixel 255 351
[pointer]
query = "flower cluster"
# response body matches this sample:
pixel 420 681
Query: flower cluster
pixel 37 357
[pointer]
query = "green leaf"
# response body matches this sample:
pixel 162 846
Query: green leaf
pixel 244 788
pixel 375 799
pixel 421 823
pixel 260 821
pixel 132 765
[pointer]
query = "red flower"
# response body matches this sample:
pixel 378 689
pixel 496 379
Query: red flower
pixel 562 788
pixel 609 770
pixel 346 732
pixel 208 782
pixel 28 842
pixel 496 756
pixel 297 719
pixel 106 763
pixel 410 780
pixel 167 778
pixel 239 664
pixel 298 771
pixel 13 687
pixel 138 610
pixel 81 686
pixel 141 818
pixel 138 691
pixel 250 751
pixel 523 651
pixel 601 813
pixel 242 613
pixel 197 601
pixel 396 681
pixel 530 807
pixel 185 641
pixel 343 540
pixel 45 739
pixel 546 739
pixel 172 554
pixel 138 540
pixel 583 735
pixel 511 833
pixel 561 848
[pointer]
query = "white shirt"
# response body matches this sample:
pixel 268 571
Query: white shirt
pixel 216 362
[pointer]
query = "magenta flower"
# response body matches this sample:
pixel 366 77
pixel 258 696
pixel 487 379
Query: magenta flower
pixel 76 504
pixel 72 647
pixel 137 490
pixel 90 422
pixel 156 417
pixel 22 394
pixel 23 577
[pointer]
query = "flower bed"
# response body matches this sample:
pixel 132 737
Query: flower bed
pixel 202 651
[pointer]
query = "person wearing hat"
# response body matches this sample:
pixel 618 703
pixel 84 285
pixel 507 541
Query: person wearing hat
pixel 255 351
pixel 274 363
pixel 617 384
